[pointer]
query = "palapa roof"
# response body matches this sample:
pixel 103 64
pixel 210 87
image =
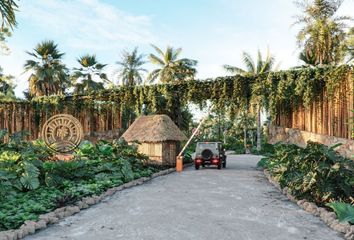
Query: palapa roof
pixel 154 128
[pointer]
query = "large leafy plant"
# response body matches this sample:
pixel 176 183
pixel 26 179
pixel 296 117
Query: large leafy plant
pixel 344 211
pixel 31 183
pixel 20 163
pixel 316 173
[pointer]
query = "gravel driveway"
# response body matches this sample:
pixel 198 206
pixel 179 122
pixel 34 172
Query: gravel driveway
pixel 234 203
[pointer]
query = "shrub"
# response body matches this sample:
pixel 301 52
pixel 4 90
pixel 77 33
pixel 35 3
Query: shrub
pixel 32 184
pixel 344 211
pixel 235 145
pixel 316 173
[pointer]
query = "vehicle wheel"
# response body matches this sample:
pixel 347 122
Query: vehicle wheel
pixel 203 165
pixel 219 166
pixel 224 164
pixel 196 167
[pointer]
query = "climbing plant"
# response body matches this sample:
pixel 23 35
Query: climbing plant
pixel 281 92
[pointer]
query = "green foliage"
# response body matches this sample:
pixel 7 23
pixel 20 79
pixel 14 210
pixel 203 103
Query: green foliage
pixel 89 70
pixel 344 211
pixel 4 49
pixel 7 86
pixel 235 145
pixel 169 67
pixel 316 173
pixel 7 14
pixel 267 149
pixel 23 206
pixel 32 184
pixel 131 70
pixel 283 91
pixel 20 163
pixel 323 34
pixel 49 75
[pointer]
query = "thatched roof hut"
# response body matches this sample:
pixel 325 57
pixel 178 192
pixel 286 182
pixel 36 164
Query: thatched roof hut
pixel 158 136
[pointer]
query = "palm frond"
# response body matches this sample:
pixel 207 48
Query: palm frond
pixel 234 70
pixel 153 75
pixel 7 14
pixel 156 60
pixel 248 61
pixel 158 50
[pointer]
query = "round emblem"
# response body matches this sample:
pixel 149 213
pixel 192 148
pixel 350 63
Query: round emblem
pixel 62 133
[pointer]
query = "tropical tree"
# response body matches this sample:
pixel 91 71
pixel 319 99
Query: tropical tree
pixel 89 76
pixel 322 36
pixel 49 75
pixel 4 33
pixel 7 22
pixel 131 71
pixel 6 87
pixel 246 121
pixel 7 13
pixel 350 45
pixel 170 67
pixel 253 68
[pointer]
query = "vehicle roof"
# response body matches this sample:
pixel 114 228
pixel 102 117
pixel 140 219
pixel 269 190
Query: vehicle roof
pixel 209 142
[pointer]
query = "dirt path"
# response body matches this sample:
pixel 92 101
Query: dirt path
pixel 235 203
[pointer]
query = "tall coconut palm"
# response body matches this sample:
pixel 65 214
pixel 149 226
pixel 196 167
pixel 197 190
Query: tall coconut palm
pixel 7 14
pixel 170 67
pixel 49 75
pixel 323 33
pixel 89 76
pixel 131 71
pixel 253 68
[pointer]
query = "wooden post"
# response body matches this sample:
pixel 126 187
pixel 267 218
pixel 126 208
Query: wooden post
pixel 179 163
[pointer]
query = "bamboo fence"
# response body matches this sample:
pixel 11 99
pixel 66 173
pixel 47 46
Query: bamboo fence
pixel 332 117
pixel 16 117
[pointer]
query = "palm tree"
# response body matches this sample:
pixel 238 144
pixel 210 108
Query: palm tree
pixel 8 21
pixel 252 69
pixel 49 75
pixel 90 69
pixel 322 32
pixel 7 14
pixel 131 70
pixel 245 121
pixel 170 67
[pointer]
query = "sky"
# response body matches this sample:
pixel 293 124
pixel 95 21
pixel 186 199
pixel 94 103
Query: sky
pixel 214 32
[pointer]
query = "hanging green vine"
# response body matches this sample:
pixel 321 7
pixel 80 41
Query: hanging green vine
pixel 277 91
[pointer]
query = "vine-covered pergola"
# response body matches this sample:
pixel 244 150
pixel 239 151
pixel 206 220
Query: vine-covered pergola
pixel 281 93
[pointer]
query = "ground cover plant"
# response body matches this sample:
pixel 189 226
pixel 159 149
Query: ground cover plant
pixel 316 173
pixel 32 184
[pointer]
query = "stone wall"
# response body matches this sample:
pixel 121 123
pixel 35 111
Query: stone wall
pixel 300 138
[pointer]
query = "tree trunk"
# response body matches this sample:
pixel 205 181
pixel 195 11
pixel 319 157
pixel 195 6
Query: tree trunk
pixel 259 140
pixel 245 138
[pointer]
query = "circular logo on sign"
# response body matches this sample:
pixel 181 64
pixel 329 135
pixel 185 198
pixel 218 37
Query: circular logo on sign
pixel 62 133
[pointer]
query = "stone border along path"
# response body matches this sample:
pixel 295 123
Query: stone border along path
pixel 327 217
pixel 235 203
pixel 30 227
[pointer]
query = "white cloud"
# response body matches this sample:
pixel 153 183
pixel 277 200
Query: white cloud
pixel 87 24
pixel 78 25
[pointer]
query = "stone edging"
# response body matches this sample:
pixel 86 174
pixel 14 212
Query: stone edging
pixel 30 227
pixel 326 216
